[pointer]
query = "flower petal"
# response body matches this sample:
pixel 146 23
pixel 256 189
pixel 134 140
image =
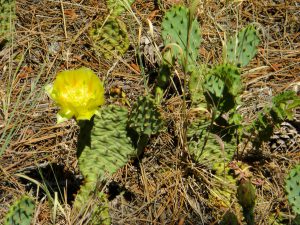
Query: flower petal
pixel 78 93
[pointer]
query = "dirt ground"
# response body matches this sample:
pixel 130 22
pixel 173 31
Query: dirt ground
pixel 164 186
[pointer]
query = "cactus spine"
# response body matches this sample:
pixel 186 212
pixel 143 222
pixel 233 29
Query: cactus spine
pixel 243 47
pixel 21 212
pixel 292 188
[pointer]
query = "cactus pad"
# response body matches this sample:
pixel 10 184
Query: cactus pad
pixel 119 6
pixel 145 117
pixel 7 15
pixel 246 194
pixel 242 48
pixel 109 39
pixel 181 35
pixel 109 150
pixel 21 212
pixel 292 188
pixel 215 152
pixel 246 197
pixel 100 215
pixel 222 86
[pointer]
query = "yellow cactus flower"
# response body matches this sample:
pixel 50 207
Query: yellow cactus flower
pixel 78 93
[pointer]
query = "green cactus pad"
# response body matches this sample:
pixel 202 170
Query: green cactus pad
pixel 109 39
pixel 117 7
pixel 109 150
pixel 222 87
pixel 246 194
pixel 7 16
pixel 100 215
pixel 246 197
pixel 292 187
pixel 213 155
pixel 178 32
pixel 242 48
pixel 21 212
pixel 145 117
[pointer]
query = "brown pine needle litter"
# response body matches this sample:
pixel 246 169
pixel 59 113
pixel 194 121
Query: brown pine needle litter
pixel 164 186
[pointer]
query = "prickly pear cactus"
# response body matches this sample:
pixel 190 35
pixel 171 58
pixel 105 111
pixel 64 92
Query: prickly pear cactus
pixel 242 48
pixel 246 194
pixel 100 215
pixel 208 148
pixel 246 197
pixel 110 148
pixel 181 35
pixel 119 6
pixel 145 117
pixel 7 16
pixel 21 212
pixel 222 87
pixel 292 187
pixel 109 39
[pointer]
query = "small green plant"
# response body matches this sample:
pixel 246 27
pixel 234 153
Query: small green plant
pixel 281 109
pixel 292 188
pixel 109 36
pixel 145 117
pixel 21 212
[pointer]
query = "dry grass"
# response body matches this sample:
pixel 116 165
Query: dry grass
pixel 164 187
